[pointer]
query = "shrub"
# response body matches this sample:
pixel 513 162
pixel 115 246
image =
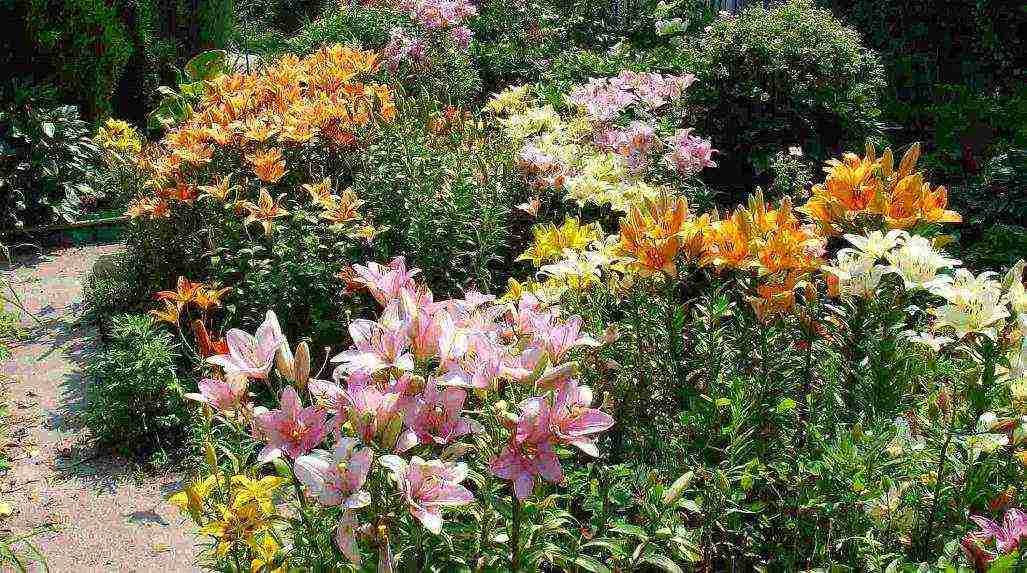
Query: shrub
pixel 135 399
pixel 446 196
pixel 50 165
pixel 772 78
pixel 426 58
pixel 994 237
pixel 113 285
pixel 516 42
pixel 954 76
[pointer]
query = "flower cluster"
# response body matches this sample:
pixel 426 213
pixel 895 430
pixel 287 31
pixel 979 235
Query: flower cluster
pixel 401 394
pixel 588 157
pixel 689 154
pixel 603 99
pixel 118 135
pixel 869 190
pixel 258 124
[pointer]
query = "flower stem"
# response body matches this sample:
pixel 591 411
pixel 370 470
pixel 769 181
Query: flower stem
pixel 515 534
pixel 938 477
pixel 306 516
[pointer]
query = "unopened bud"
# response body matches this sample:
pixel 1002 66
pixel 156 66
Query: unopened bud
pixel 678 488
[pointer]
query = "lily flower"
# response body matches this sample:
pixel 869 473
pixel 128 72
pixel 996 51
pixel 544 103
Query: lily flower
pixel 562 337
pixel 223 395
pixel 572 420
pixel 436 418
pixel 975 304
pixel 336 479
pixel 1007 536
pixel 249 354
pixel 428 486
pixel 292 429
pixel 386 282
pixel 376 347
pixel 918 263
pixel 520 462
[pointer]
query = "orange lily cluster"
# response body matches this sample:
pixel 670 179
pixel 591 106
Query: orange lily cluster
pixel 262 118
pixel 658 230
pixel 864 193
pixel 202 296
pixel 773 242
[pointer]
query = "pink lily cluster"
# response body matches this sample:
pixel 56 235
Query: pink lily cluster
pixel 605 98
pixel 403 47
pixel 635 143
pixel 445 16
pixel 689 154
pixel 1007 536
pixel 402 389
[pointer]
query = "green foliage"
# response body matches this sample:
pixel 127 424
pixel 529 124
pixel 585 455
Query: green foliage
pixel 771 78
pixel 294 272
pixel 516 42
pixel 445 200
pixel 134 401
pixel 50 165
pixel 86 42
pixel 955 73
pixel 994 235
pixel 112 286
pixel 366 27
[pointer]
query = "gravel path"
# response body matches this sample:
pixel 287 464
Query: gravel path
pixel 103 513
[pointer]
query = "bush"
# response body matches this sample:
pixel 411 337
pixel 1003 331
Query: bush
pixel 113 285
pixel 955 75
pixel 994 235
pixel 773 78
pixel 49 166
pixel 445 194
pixel 134 401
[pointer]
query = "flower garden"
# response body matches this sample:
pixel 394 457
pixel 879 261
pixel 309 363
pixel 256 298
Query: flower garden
pixel 433 285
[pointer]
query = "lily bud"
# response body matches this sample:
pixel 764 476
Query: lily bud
pixel 678 488
pixel 301 365
pixel 285 362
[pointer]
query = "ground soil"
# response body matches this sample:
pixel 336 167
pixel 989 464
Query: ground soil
pixel 97 511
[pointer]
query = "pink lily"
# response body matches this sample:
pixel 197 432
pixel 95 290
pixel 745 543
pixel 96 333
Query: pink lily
pixel 520 462
pixel 336 479
pixel 436 418
pixel 428 486
pixel 386 282
pixel 223 395
pixel 1008 535
pixel 292 429
pixel 376 416
pixel 562 337
pixel 376 347
pixel 572 420
pixel 252 355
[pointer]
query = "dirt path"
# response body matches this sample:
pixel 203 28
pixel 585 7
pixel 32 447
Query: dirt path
pixel 105 514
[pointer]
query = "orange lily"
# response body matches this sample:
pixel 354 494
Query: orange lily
pixel 266 210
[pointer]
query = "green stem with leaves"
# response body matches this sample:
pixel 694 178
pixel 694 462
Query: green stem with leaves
pixel 515 533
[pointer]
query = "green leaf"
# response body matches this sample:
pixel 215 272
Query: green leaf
pixel 786 405
pixel 207 66
pixel 663 562
pixel 590 564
